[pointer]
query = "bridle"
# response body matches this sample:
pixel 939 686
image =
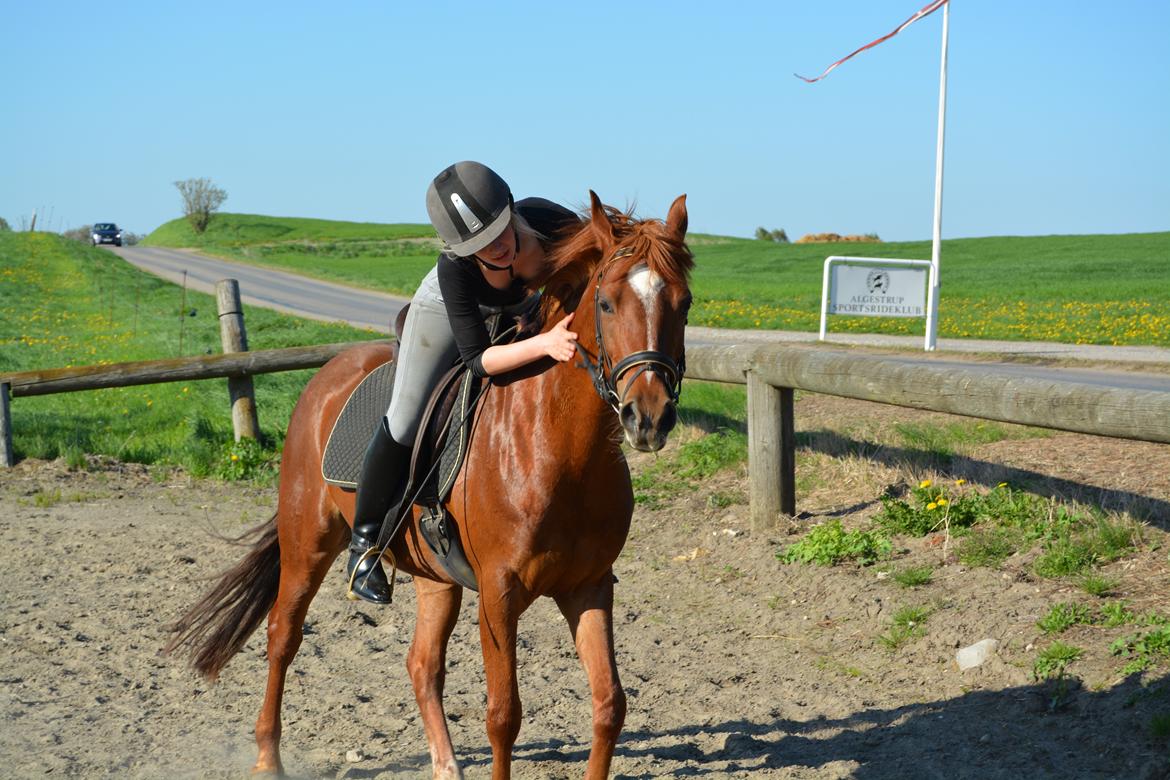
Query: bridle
pixel 606 374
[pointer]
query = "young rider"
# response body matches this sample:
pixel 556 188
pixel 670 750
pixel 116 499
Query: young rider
pixel 491 247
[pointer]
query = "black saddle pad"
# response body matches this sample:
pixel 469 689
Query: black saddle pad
pixel 356 425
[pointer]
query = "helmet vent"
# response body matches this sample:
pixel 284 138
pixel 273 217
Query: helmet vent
pixel 465 213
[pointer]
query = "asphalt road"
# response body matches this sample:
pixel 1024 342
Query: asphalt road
pixel 332 302
pixel 271 289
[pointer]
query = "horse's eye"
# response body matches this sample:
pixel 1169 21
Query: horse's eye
pixel 606 306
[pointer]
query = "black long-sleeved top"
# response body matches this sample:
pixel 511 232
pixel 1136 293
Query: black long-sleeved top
pixel 465 289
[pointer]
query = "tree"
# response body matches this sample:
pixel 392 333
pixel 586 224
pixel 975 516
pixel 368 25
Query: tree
pixel 4 226
pixel 201 199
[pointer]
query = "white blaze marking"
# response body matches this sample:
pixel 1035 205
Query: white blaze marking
pixel 647 285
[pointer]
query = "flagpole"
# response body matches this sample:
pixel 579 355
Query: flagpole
pixel 936 242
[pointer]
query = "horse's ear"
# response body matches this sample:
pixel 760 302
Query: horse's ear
pixel 676 218
pixel 599 220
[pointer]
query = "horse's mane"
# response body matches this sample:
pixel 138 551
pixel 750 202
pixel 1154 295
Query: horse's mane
pixel 575 256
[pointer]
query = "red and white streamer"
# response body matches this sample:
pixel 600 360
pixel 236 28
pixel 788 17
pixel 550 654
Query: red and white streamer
pixel 927 10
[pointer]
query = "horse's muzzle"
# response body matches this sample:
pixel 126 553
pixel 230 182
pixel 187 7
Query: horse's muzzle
pixel 646 429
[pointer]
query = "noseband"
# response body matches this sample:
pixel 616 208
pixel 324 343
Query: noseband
pixel 606 374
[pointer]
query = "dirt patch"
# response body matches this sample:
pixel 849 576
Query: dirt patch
pixel 735 665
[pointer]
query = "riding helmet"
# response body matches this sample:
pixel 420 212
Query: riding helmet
pixel 470 206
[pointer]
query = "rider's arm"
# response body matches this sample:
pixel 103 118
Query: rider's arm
pixel 471 336
pixel 556 343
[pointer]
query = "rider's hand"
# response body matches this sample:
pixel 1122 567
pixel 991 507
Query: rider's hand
pixel 559 343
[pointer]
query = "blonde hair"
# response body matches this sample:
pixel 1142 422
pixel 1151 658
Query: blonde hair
pixel 517 223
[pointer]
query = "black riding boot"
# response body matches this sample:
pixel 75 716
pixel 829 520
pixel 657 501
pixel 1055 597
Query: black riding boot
pixel 380 487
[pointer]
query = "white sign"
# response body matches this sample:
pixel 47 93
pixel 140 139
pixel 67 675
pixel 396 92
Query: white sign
pixel 878 291
pixel 876 287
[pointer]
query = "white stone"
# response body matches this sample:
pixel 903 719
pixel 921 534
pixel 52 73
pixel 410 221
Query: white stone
pixel 353 756
pixel 974 655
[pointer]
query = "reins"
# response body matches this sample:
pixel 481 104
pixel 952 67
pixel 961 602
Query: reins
pixel 644 360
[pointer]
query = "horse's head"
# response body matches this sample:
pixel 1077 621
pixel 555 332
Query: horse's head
pixel 631 298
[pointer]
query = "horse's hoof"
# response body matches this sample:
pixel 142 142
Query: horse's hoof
pixel 267 770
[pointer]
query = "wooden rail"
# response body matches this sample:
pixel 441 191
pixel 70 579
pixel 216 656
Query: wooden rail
pixel 146 372
pixel 771 372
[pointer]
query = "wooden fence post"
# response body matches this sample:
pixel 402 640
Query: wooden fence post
pixel 234 338
pixel 6 458
pixel 771 451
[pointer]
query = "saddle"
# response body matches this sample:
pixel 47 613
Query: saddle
pixel 440 447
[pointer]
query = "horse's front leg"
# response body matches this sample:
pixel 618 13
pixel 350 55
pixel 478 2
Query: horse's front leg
pixel 500 606
pixel 438 609
pixel 589 612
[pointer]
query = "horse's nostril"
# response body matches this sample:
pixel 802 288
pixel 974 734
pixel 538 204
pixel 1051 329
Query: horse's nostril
pixel 629 416
pixel 669 418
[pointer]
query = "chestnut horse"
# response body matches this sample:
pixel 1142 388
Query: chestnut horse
pixel 542 505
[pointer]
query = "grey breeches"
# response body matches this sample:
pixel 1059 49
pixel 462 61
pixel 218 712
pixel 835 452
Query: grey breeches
pixel 425 353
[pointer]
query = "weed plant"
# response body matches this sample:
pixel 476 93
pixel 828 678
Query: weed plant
pixel 1054 660
pixel 1099 585
pixel 991 546
pixel 1064 616
pixel 1116 613
pixel 914 576
pixel 906 624
pixel 829 543
pixel 1160 726
pixel 1073 542
pixel 1143 649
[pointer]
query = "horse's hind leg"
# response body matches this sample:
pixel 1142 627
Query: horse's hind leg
pixel 438 609
pixel 309 543
pixel 589 612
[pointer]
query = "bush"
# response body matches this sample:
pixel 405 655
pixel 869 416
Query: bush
pixel 779 236
pixel 4 226
pixel 81 234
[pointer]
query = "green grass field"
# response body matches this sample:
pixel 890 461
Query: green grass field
pixel 1094 289
pixel 1101 289
pixel 63 303
pixel 390 258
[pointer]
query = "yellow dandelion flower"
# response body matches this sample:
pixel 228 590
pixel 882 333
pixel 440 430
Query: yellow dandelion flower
pixel 932 506
pixel 942 502
pixel 1002 484
pixel 925 483
pixel 235 457
pixel 960 482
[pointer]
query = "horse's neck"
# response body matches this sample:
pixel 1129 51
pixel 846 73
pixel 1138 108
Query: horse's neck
pixel 566 399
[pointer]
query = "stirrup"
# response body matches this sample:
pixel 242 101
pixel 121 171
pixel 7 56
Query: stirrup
pixel 383 553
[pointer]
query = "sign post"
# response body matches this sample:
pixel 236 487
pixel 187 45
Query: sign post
pixel 876 287
pixel 936 240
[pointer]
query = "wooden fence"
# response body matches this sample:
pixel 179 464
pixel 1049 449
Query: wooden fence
pixel 771 373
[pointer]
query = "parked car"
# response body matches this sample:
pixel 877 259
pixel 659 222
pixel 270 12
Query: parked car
pixel 106 233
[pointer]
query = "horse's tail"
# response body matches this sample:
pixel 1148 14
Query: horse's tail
pixel 218 626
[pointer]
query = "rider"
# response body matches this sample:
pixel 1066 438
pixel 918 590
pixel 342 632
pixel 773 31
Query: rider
pixel 491 247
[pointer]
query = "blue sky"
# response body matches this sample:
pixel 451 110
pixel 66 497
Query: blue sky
pixel 1058 115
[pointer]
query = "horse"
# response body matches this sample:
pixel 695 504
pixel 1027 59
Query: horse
pixel 542 504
